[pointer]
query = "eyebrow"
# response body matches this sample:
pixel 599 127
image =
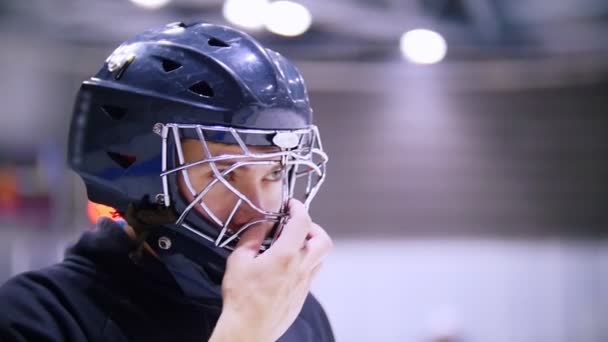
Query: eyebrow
pixel 225 162
pixel 229 162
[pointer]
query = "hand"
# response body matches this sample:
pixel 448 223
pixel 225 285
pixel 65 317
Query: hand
pixel 264 293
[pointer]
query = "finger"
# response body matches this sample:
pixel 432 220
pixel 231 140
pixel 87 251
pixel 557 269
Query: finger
pixel 294 232
pixel 317 247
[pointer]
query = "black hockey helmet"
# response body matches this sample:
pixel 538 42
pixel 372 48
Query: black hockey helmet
pixel 190 81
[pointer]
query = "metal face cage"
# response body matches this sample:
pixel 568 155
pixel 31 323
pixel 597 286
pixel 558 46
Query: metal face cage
pixel 299 153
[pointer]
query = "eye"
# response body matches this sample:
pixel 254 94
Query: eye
pixel 274 176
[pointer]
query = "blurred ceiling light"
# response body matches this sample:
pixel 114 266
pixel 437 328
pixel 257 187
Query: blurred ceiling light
pixel 423 46
pixel 287 18
pixel 247 14
pixel 151 4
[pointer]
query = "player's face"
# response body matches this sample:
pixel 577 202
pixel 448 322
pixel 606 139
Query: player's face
pixel 262 184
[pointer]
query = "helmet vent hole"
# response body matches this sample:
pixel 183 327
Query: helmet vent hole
pixel 116 113
pixel 216 42
pixel 123 160
pixel 202 88
pixel 169 65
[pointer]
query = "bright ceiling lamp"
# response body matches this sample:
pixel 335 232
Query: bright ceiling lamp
pixel 287 18
pixel 151 4
pixel 248 14
pixel 423 46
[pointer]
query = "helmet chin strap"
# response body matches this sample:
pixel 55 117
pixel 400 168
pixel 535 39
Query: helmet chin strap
pixel 144 218
pixel 195 267
pixel 195 263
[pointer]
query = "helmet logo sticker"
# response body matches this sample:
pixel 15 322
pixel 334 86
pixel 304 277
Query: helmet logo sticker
pixel 286 140
pixel 120 58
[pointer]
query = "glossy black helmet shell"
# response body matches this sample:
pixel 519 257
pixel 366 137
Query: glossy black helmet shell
pixel 189 74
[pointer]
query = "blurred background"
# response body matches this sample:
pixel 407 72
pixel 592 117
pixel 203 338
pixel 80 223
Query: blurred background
pixel 467 191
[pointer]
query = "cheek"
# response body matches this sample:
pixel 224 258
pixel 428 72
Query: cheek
pixel 274 196
pixel 217 199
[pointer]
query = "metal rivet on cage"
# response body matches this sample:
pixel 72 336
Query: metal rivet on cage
pixel 158 128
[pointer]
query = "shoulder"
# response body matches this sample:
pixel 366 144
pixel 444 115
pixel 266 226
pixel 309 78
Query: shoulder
pixel 314 314
pixel 312 308
pixel 311 325
pixel 36 289
pixel 42 305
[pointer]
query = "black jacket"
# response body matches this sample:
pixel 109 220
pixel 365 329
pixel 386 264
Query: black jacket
pixel 97 293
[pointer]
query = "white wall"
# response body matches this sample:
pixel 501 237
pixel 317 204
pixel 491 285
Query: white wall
pixel 481 290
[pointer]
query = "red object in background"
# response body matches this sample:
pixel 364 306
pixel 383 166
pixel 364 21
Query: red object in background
pixel 9 193
pixel 96 210
pixel 23 204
